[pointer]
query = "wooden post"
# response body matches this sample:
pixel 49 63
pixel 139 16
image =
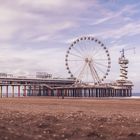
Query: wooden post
pixel 89 92
pixel 57 92
pixel 121 92
pixel 130 92
pixel 99 92
pixel 63 90
pixel 24 91
pixel 68 92
pixel 7 91
pixel 18 90
pixel 96 92
pixel 127 92
pixel 0 91
pixel 13 91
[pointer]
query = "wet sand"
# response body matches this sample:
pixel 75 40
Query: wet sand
pixel 42 118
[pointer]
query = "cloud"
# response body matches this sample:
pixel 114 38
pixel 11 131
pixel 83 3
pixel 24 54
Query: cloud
pixel 35 34
pixel 123 14
pixel 128 30
pixel 50 31
pixel 27 21
pixel 7 27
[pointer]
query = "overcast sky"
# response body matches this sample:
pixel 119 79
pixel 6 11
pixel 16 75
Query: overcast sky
pixel 35 34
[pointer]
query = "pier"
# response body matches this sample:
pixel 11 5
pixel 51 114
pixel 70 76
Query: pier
pixel 88 82
pixel 23 87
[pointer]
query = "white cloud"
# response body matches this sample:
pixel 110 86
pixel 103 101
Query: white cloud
pixel 51 29
pixel 128 30
pixel 7 28
pixel 116 16
pixel 7 14
pixel 38 20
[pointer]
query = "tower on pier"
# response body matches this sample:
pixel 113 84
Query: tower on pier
pixel 123 83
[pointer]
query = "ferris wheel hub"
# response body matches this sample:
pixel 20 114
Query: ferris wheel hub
pixel 88 59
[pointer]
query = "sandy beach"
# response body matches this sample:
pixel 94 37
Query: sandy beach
pixel 42 118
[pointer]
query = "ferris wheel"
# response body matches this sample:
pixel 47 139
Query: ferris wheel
pixel 88 60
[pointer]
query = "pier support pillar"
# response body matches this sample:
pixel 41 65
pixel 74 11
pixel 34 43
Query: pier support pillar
pixel 7 91
pixel 58 93
pixel 19 91
pixel 130 92
pixel 24 94
pixel 0 91
pixel 13 91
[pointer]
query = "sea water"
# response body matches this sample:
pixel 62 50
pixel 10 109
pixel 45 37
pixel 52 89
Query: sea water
pixel 135 94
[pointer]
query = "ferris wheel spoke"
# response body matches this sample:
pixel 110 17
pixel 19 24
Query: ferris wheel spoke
pixel 81 47
pixel 77 51
pixel 101 59
pixel 84 45
pixel 78 69
pixel 103 65
pixel 74 60
pixel 101 55
pixel 92 49
pixel 100 70
pixel 95 49
pixel 76 55
pixel 82 71
pixel 96 52
pixel 92 74
pixel 88 48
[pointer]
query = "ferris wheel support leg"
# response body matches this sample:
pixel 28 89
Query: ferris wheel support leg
pixel 82 72
pixel 94 72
